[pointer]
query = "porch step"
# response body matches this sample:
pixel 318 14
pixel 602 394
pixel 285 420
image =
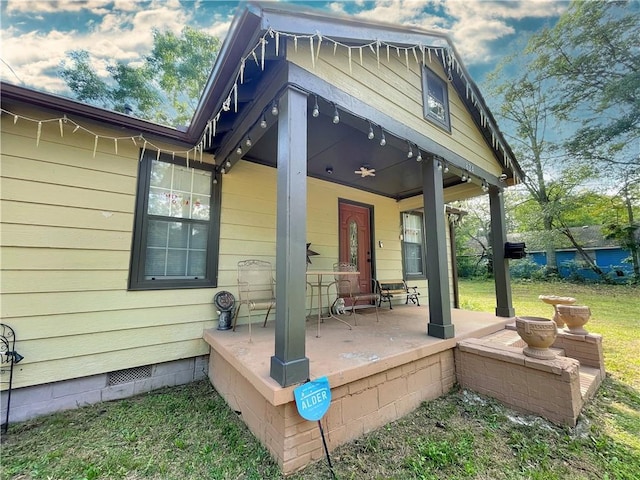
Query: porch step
pixel 510 338
pixel 590 379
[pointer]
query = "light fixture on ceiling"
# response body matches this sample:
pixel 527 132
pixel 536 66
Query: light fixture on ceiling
pixel 365 171
pixel 329 170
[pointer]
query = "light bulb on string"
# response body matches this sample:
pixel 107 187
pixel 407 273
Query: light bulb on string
pixel 419 157
pixel 383 140
pixel 370 135
pixel 464 177
pixel 248 142
pixel 439 165
pixel 263 122
pixel 410 152
pixel 336 116
pixel 316 109
pixel 228 164
pixel 469 179
pixel 239 150
pixel 274 109
pixel 446 168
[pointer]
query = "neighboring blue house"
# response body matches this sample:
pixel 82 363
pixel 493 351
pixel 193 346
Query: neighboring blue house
pixel 610 257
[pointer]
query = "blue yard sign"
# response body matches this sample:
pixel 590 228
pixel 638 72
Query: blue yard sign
pixel 313 398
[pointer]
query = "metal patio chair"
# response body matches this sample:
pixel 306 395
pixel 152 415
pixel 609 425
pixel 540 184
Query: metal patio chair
pixel 348 287
pixel 256 289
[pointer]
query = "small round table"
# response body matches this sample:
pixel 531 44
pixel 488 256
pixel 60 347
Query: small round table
pixel 555 301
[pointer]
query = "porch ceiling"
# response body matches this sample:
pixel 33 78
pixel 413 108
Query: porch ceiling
pixel 340 148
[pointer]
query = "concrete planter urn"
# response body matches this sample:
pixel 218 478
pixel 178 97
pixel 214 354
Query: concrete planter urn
pixel 539 334
pixel 574 317
pixel 555 300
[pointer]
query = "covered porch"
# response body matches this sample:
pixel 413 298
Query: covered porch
pixel 378 372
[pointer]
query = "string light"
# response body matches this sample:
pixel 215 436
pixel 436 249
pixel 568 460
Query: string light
pixel 99 137
pixel 383 140
pixel 227 164
pixel 274 109
pixel 263 122
pixel 446 168
pixel 239 150
pixel 464 176
pixel 371 134
pixel 316 109
pixel 410 152
pixel 248 141
pixel 336 115
pixel 419 157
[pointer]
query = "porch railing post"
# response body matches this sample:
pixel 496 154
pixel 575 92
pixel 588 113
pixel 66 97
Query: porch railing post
pixel 289 365
pixel 440 325
pixel 501 274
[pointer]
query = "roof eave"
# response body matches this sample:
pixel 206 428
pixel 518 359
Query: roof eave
pixel 48 101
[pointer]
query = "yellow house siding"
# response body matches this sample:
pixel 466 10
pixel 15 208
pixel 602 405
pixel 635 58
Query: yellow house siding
pixel 397 90
pixel 66 228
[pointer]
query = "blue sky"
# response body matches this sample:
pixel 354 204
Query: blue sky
pixel 36 34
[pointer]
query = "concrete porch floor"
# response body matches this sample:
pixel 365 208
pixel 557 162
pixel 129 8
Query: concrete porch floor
pixel 344 355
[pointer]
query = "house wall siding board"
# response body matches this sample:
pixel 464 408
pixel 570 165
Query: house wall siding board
pixel 40 171
pixel 86 323
pixel 24 258
pixel 47 281
pixel 397 91
pixel 72 217
pixel 50 194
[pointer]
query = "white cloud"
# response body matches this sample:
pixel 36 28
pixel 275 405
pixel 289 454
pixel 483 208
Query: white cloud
pixel 54 6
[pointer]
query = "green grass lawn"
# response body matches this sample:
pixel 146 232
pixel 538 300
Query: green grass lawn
pixel 188 432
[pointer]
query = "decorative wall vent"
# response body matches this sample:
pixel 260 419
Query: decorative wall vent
pixel 128 375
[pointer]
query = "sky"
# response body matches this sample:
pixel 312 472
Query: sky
pixel 37 34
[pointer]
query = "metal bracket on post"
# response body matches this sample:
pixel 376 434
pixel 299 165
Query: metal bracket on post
pixel 8 357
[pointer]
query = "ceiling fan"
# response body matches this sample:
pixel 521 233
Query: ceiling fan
pixel 365 171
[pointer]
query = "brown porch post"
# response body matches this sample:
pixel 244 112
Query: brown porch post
pixel 440 325
pixel 501 275
pixel 289 365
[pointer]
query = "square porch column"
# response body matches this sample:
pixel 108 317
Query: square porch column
pixel 440 325
pixel 501 274
pixel 289 365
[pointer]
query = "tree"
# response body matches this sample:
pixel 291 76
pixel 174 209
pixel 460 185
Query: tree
pixel 166 85
pixel 593 54
pixel 526 109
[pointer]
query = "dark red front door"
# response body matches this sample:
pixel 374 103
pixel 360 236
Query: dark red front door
pixel 355 241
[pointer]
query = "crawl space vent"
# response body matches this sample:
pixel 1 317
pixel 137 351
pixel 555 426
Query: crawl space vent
pixel 128 375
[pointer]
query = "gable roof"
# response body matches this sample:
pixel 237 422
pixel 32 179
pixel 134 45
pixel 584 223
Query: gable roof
pixel 260 25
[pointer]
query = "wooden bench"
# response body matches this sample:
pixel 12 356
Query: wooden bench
pixel 388 288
